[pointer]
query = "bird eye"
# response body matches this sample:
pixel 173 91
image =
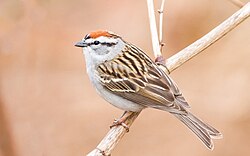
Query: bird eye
pixel 96 42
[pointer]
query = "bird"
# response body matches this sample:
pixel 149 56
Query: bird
pixel 126 77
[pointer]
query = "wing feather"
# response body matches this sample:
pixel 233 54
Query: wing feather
pixel 135 77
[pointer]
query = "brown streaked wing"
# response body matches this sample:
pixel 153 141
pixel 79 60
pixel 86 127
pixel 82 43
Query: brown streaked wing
pixel 178 95
pixel 140 81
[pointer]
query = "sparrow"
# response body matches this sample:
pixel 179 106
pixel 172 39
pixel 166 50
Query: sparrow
pixel 126 77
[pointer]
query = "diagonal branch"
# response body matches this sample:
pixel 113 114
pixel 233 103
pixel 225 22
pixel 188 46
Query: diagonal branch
pixel 238 3
pixel 115 134
pixel 201 44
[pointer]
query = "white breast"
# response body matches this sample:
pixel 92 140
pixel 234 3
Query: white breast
pixel 113 99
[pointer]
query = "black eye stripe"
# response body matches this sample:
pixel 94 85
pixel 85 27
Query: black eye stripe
pixel 108 44
pixel 102 43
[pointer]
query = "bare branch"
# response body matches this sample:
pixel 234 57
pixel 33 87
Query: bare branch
pixel 160 11
pixel 198 46
pixel 112 138
pixel 153 29
pixel 238 3
pixel 115 134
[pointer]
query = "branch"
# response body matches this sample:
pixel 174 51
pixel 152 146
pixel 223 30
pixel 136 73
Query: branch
pixel 153 29
pixel 160 11
pixel 201 44
pixel 238 3
pixel 112 138
pixel 115 134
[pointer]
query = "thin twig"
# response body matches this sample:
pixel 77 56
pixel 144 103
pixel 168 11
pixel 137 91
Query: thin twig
pixel 238 3
pixel 115 134
pixel 198 46
pixel 153 29
pixel 160 11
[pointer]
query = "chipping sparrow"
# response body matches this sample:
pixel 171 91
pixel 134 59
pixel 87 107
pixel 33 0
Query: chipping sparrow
pixel 128 79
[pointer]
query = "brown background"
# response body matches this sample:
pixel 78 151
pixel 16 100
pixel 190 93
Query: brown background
pixel 49 108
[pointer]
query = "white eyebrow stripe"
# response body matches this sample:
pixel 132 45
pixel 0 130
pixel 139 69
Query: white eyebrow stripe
pixel 103 39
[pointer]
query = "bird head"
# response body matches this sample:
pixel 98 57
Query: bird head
pixel 101 45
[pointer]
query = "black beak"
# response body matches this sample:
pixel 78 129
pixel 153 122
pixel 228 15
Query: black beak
pixel 81 44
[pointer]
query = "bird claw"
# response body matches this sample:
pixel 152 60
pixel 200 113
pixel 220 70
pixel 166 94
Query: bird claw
pixel 120 123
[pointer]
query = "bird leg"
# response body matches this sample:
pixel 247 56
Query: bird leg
pixel 121 120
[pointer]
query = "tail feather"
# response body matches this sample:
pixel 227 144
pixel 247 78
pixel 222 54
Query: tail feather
pixel 202 130
pixel 214 133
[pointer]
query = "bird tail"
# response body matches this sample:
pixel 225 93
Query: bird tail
pixel 202 130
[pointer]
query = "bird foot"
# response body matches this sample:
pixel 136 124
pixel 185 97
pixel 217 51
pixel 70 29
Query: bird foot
pixel 120 122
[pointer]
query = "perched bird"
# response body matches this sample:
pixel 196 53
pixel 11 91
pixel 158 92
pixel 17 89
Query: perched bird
pixel 128 79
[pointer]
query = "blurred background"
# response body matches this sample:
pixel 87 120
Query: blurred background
pixel 48 106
